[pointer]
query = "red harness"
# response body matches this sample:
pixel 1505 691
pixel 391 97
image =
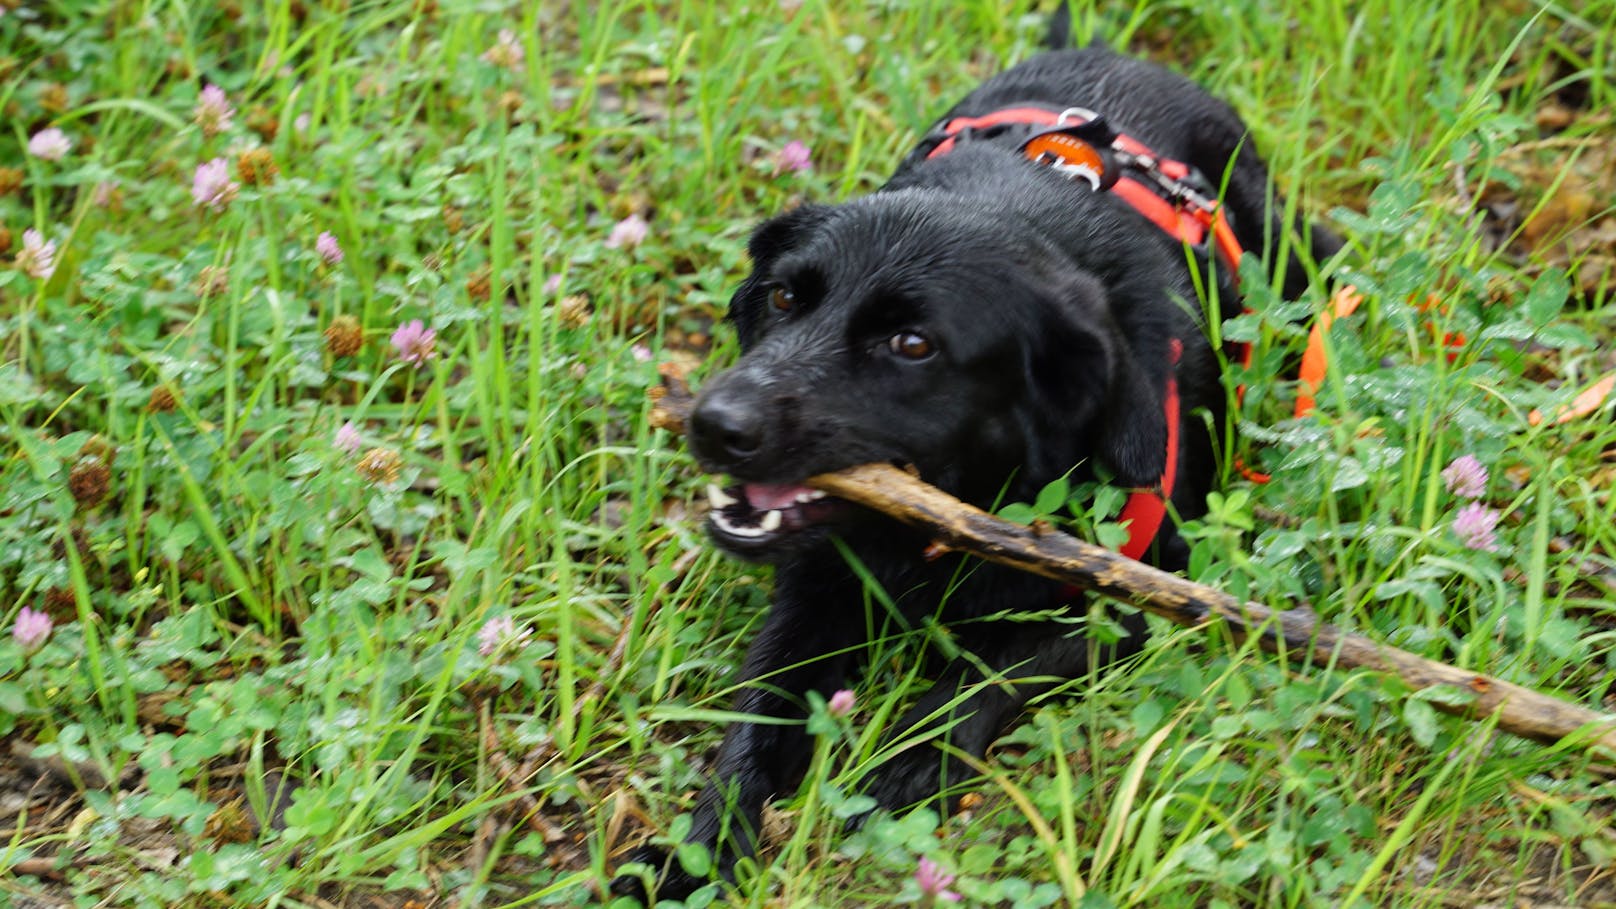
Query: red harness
pixel 1170 202
pixel 1079 144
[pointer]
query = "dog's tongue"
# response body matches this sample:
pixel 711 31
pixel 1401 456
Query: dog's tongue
pixel 769 496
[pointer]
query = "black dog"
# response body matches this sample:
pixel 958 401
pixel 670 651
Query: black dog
pixel 995 317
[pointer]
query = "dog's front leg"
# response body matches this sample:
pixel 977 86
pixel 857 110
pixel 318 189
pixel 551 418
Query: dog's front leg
pixel 803 646
pixel 966 709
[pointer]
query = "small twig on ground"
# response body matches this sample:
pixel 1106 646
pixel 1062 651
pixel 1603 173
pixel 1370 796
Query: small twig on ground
pixel 563 852
pixel 1294 634
pixel 43 868
pixel 488 830
pixel 75 774
pixel 614 660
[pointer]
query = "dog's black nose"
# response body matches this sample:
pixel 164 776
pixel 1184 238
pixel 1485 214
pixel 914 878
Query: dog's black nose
pixel 726 428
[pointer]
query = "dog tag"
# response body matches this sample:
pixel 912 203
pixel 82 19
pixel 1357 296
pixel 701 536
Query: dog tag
pixel 1078 150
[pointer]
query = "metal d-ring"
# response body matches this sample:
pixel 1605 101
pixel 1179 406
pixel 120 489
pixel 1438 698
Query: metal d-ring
pixel 1076 113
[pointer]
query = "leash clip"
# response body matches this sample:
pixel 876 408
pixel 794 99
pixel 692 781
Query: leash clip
pixel 1188 189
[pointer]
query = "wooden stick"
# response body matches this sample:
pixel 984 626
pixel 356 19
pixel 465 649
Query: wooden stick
pixel 1295 634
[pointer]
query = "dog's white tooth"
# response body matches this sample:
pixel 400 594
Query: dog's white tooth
pixel 771 521
pixel 735 530
pixel 812 495
pixel 718 498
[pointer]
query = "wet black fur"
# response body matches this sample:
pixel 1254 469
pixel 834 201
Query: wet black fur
pixel 1051 309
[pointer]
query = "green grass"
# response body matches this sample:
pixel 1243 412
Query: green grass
pixel 248 629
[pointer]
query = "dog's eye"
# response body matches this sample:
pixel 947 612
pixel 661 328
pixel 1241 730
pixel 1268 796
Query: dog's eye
pixel 782 298
pixel 910 346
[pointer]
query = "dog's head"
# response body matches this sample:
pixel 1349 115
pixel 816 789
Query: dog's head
pixel 900 328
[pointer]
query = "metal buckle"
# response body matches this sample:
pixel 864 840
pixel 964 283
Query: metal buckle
pixel 1179 192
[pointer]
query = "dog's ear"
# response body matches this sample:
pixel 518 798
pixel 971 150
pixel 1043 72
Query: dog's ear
pixel 769 240
pixel 1098 387
pixel 782 231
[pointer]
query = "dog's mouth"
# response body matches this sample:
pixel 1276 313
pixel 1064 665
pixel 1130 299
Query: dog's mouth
pixel 751 518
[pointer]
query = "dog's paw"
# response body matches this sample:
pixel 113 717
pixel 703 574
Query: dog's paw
pixel 633 885
pixel 669 879
pixel 914 779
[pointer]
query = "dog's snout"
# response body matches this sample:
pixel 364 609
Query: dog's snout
pixel 726 428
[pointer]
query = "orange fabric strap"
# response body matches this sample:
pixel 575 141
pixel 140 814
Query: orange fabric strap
pixel 1145 509
pixel 1315 359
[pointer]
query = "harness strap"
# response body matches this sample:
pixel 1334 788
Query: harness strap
pixel 1182 213
pixel 1145 509
pixel 1006 116
pixel 1315 360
